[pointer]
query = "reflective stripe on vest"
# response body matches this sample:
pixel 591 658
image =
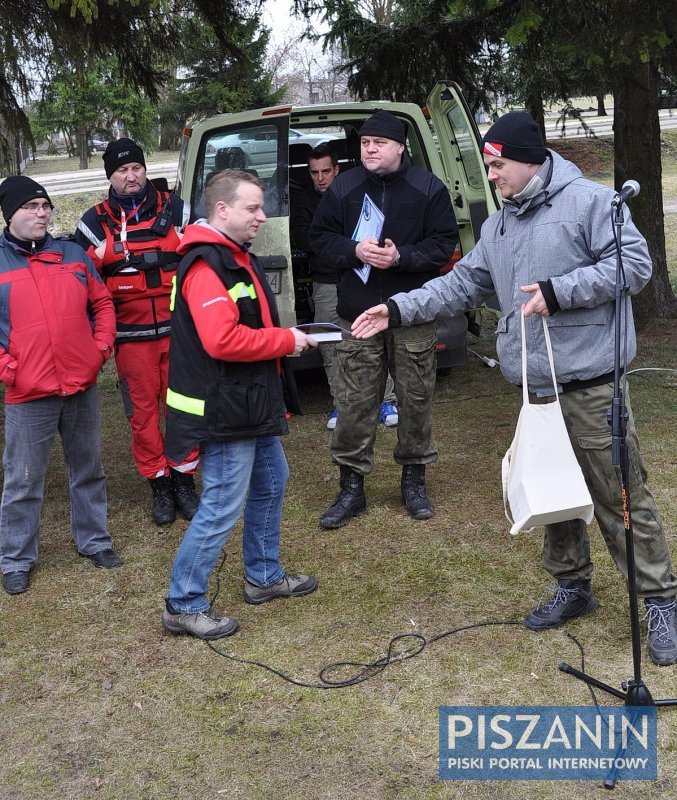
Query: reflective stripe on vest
pixel 172 296
pixel 191 405
pixel 242 290
pixel 239 290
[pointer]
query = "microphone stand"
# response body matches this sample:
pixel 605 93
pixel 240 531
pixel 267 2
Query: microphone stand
pixel 633 692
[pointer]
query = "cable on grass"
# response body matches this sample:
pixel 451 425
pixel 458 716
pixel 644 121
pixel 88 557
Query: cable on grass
pixel 400 648
pixel 414 645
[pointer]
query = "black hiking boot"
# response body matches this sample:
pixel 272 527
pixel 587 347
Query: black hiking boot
pixel 186 498
pixel 572 599
pixel 413 491
pixel 661 619
pixel 350 502
pixel 164 510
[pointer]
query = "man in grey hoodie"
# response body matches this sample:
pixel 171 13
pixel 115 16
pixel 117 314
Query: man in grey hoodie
pixel 550 252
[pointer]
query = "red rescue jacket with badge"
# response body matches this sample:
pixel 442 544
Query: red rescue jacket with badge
pixel 139 264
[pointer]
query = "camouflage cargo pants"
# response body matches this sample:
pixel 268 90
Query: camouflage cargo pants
pixel 360 372
pixel 566 547
pixel 324 300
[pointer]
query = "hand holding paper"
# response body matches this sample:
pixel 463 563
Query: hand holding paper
pixel 302 341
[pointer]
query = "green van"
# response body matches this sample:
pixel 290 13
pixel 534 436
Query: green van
pixel 273 143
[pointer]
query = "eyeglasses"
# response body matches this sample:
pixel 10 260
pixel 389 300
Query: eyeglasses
pixel 36 208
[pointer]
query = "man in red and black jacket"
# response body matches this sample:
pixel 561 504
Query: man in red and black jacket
pixel 57 327
pixel 226 396
pixel 132 238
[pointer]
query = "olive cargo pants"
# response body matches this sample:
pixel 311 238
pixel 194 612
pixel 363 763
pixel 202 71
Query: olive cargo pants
pixel 360 371
pixel 566 547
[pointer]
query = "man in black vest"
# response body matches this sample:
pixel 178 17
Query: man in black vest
pixel 225 395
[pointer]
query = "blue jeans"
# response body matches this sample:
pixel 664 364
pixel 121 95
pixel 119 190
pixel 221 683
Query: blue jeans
pixel 30 429
pixel 247 473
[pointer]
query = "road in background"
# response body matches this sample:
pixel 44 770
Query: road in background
pixel 92 180
pixel 600 126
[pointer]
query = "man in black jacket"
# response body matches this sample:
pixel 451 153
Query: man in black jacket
pixel 323 168
pixel 417 236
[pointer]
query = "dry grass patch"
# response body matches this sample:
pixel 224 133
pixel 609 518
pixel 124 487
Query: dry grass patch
pixel 99 702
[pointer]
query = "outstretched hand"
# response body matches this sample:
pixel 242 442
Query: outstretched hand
pixel 370 322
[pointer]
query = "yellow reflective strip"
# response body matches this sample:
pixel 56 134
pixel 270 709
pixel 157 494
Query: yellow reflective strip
pixel 242 290
pixel 191 405
pixel 172 296
pixel 236 292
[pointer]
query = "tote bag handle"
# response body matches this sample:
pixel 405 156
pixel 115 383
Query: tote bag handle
pixel 505 466
pixel 546 334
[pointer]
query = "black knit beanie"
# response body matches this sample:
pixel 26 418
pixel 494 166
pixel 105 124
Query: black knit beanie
pixel 515 136
pixel 17 190
pixel 384 124
pixel 119 152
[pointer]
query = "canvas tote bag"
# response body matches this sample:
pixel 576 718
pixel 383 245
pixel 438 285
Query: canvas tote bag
pixel 542 481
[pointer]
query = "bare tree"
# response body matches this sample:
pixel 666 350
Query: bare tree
pixel 380 11
pixel 306 72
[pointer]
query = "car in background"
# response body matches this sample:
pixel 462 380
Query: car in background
pixel 252 148
pixel 667 100
pixel 98 145
pixel 273 144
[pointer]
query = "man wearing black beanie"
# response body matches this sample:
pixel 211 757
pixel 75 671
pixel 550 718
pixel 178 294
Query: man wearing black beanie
pixel 57 326
pixel 417 238
pixel 550 252
pixel 16 191
pixel 132 238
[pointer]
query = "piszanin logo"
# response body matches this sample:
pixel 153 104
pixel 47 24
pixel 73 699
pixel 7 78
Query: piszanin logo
pixel 547 743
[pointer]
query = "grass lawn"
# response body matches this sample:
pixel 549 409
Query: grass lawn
pixel 98 702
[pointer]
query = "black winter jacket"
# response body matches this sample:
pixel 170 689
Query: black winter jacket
pixel 418 218
pixel 304 205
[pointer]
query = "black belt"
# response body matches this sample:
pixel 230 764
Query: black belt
pixel 574 386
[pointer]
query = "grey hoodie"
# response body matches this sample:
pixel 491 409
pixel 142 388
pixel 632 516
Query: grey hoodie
pixel 563 233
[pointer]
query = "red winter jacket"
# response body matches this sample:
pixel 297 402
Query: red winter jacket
pixel 217 317
pixel 57 321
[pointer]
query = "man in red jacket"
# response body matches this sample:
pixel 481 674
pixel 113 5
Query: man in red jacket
pixel 57 326
pixel 132 238
pixel 225 395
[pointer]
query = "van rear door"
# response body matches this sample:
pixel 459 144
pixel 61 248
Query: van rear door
pixel 459 142
pixel 256 142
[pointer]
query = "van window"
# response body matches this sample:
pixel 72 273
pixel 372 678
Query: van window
pixel 464 139
pixel 259 148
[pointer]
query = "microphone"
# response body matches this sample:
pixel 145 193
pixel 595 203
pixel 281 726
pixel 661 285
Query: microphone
pixel 630 189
